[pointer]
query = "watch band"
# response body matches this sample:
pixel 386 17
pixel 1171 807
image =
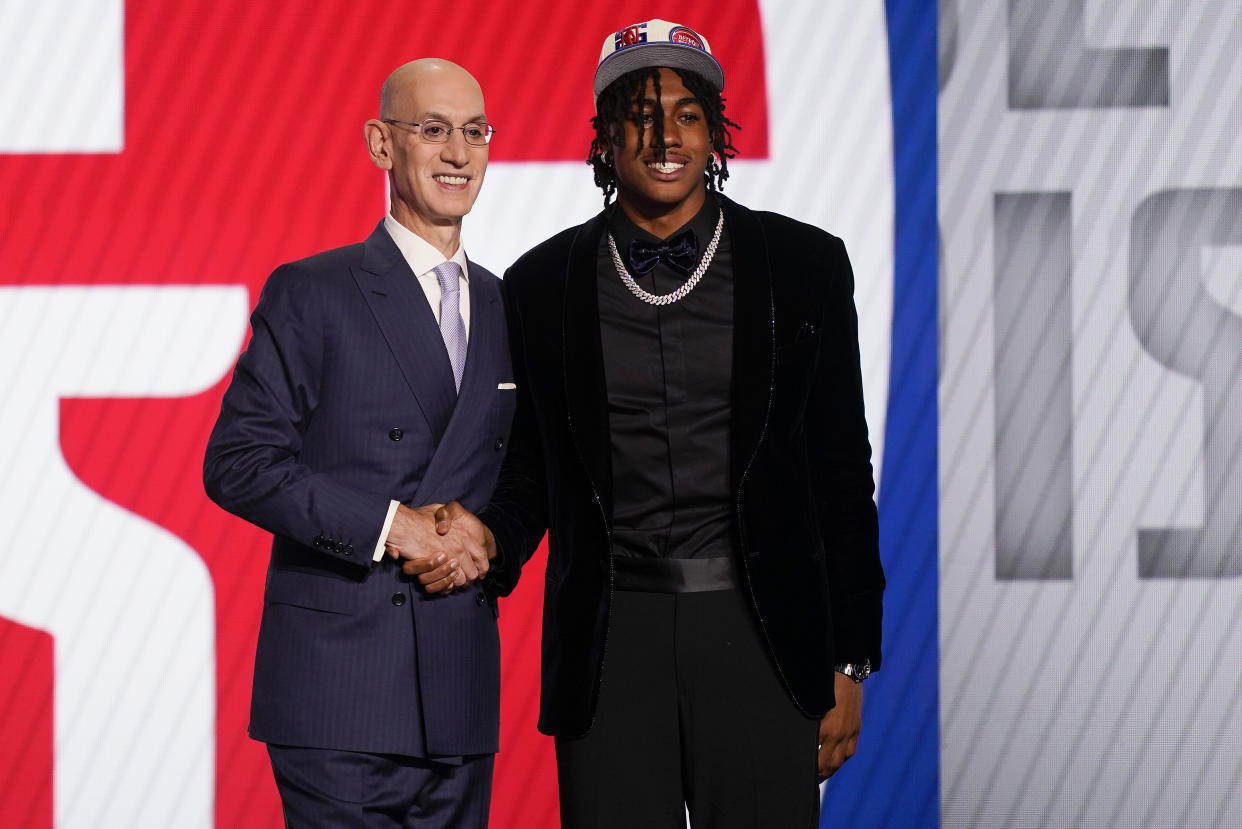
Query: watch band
pixel 857 671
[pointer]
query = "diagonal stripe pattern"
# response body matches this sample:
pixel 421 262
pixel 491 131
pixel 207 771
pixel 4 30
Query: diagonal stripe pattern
pixel 451 326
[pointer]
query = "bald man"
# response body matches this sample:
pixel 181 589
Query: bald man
pixel 378 378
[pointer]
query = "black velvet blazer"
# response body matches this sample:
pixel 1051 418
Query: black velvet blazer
pixel 801 471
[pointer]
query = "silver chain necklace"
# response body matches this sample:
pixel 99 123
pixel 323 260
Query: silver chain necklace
pixel 686 288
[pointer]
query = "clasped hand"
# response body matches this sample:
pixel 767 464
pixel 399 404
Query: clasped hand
pixel 445 546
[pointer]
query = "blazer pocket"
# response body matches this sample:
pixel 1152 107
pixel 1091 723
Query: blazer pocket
pixel 805 335
pixel 798 349
pixel 311 591
pixel 506 396
pixel 501 416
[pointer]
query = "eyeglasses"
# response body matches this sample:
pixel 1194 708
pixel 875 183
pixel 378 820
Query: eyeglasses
pixel 435 131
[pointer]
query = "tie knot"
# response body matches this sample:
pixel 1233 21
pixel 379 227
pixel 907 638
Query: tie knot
pixel 448 273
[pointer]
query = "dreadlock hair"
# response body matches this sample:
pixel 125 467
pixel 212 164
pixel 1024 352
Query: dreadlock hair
pixel 621 101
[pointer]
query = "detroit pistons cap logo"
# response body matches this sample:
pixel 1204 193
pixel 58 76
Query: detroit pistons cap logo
pixel 681 34
pixel 656 43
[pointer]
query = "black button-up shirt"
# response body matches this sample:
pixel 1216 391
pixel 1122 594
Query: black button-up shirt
pixel 668 372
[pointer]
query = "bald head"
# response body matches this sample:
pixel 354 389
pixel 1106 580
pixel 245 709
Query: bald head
pixel 431 110
pixel 406 81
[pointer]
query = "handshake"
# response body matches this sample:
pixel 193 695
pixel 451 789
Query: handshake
pixel 444 545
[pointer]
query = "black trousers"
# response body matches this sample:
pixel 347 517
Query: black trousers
pixel 691 715
pixel 328 789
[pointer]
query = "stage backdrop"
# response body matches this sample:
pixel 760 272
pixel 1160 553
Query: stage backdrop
pixel 158 158
pixel 1055 399
pixel 1091 413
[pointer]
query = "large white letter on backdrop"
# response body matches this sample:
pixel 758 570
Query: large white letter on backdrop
pixel 130 606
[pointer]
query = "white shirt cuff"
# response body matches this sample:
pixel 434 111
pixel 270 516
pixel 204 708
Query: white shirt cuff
pixel 383 536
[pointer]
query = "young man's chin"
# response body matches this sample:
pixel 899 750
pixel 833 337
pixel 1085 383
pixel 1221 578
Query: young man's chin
pixel 663 196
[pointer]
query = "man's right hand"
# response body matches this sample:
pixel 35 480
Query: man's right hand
pixel 453 521
pixel 441 558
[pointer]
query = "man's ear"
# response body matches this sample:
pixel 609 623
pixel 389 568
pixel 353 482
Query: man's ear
pixel 376 134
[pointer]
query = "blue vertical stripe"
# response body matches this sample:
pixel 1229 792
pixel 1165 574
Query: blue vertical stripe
pixel 894 780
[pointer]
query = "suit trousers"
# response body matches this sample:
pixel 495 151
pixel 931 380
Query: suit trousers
pixel 329 789
pixel 691 716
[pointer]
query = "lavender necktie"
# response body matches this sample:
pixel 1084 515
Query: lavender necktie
pixel 451 327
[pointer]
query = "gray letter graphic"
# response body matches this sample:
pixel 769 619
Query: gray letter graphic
pixel 1034 386
pixel 946 41
pixel 1182 326
pixel 1050 66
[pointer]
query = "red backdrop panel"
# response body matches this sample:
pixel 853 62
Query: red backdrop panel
pixel 26 723
pixel 243 148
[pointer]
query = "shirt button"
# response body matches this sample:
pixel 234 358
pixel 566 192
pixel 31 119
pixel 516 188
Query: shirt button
pixel 480 600
pixel 500 444
pixel 395 434
pixel 398 599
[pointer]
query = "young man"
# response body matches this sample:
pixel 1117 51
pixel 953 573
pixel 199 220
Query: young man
pixel 690 429
pixel 377 376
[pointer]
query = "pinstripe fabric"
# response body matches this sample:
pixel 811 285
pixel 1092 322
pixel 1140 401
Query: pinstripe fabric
pixel 343 399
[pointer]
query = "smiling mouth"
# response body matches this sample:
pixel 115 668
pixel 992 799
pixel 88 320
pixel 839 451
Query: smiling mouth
pixel 665 166
pixel 457 180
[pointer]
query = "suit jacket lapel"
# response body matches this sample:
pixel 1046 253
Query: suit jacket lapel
pixel 754 333
pixel 400 308
pixel 484 363
pixel 487 333
pixel 585 391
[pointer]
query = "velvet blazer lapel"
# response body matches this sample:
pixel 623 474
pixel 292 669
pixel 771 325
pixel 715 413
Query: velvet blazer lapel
pixel 585 392
pixel 754 334
pixel 409 327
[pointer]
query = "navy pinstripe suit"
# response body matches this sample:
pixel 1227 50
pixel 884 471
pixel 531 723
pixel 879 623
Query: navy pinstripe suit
pixel 343 400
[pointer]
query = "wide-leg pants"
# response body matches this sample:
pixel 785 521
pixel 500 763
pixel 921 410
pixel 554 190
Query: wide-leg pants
pixel 691 714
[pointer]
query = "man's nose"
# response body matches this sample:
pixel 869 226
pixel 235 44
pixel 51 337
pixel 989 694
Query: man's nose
pixel 672 132
pixel 455 150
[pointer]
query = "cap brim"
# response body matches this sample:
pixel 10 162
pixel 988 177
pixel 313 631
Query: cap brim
pixel 672 55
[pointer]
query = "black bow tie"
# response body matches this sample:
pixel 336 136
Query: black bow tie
pixel 680 252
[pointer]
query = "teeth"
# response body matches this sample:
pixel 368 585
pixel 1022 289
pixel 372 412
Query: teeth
pixel 451 179
pixel 665 167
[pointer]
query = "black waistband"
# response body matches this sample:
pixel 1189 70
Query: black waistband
pixel 673 575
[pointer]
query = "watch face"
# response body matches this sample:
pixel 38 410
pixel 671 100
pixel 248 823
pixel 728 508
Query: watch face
pixel 856 671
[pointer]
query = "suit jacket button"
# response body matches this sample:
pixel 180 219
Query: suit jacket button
pixel 398 599
pixel 480 600
pixel 318 542
pixel 395 434
pixel 349 549
pixel 500 444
